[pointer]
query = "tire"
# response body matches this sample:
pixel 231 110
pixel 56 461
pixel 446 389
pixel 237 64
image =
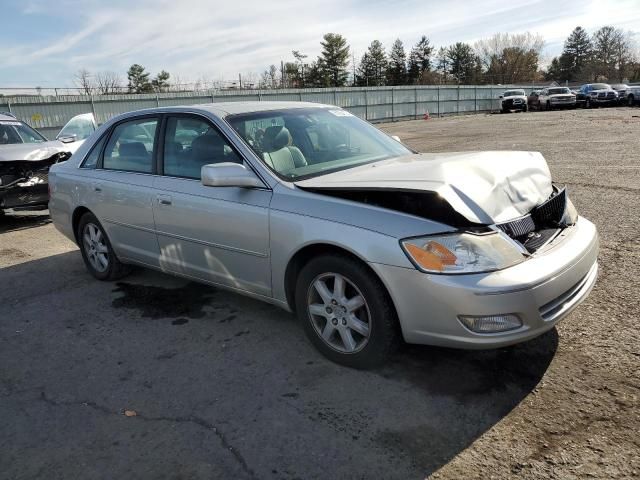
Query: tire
pixel 548 107
pixel 587 103
pixel 630 101
pixel 96 250
pixel 361 336
pixel 525 108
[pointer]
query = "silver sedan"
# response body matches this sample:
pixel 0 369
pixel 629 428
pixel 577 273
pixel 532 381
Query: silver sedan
pixel 310 208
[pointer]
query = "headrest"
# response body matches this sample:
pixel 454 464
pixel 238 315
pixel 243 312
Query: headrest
pixel 132 149
pixel 208 147
pixel 275 138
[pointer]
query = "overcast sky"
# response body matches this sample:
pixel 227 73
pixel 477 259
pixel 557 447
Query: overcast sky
pixel 45 42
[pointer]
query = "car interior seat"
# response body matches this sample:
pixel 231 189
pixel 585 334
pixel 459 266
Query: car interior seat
pixel 278 152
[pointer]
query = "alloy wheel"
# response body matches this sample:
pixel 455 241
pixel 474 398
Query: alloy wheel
pixel 339 313
pixel 95 247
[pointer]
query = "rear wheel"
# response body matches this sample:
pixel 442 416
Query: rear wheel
pixel 97 253
pixel 346 311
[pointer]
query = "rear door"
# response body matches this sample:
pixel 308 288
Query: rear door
pixel 122 187
pixel 217 234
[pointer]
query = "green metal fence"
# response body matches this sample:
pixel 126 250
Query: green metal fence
pixel 376 104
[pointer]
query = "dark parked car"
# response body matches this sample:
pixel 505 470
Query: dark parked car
pixel 532 100
pixel 25 158
pixel 596 94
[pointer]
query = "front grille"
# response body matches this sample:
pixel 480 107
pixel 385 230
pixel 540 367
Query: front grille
pixel 541 225
pixel 518 228
pixel 551 211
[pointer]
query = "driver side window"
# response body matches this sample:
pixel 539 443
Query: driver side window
pixel 192 142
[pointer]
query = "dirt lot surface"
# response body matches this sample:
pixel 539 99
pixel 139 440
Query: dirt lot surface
pixel 155 377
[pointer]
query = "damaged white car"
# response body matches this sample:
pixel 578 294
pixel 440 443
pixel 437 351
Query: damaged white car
pixel 25 158
pixel 312 209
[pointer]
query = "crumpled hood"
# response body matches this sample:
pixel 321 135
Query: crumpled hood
pixel 31 151
pixel 484 187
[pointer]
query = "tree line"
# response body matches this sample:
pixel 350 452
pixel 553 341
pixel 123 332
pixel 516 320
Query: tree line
pixel 607 55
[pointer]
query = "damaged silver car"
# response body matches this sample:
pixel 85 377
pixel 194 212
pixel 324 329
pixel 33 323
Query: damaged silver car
pixel 25 158
pixel 316 211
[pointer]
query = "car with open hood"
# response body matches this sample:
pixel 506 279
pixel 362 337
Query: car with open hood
pixel 511 100
pixel 77 130
pixel 25 159
pixel 314 210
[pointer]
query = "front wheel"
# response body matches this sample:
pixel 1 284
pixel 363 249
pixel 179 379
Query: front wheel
pixel 630 100
pixel 346 311
pixel 97 253
pixel 587 103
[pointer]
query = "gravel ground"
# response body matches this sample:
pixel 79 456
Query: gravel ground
pixel 155 377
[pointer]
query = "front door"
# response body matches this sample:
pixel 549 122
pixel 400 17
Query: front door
pixel 218 234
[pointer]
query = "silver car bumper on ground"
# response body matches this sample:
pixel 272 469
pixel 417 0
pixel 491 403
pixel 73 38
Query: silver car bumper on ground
pixel 541 291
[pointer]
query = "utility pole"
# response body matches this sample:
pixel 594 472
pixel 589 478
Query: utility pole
pixel 281 73
pixel 240 81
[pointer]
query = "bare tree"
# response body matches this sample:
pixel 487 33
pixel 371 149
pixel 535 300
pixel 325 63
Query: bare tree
pixel 510 58
pixel 84 81
pixel 108 83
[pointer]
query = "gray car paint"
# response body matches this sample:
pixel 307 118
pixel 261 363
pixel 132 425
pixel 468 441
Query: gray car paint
pixel 34 152
pixel 271 224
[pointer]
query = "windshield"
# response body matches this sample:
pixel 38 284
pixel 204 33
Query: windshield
pixel 306 142
pixel 600 86
pixel 558 91
pixel 14 131
pixel 513 93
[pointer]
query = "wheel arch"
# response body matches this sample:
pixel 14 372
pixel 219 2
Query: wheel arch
pixel 305 253
pixel 75 219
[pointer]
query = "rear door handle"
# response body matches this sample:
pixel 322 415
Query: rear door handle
pixel 97 187
pixel 164 199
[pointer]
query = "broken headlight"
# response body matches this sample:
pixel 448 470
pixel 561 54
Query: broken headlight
pixel 570 215
pixel 462 253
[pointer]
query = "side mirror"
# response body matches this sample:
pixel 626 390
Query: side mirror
pixel 396 138
pixel 67 138
pixel 501 96
pixel 229 174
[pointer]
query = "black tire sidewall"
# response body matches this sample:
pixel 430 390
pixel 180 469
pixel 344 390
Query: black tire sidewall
pixel 108 273
pixel 383 326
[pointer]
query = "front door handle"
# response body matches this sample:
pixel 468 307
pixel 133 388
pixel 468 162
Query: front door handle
pixel 164 199
pixel 97 187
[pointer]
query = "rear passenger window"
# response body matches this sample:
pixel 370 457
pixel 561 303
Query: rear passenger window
pixel 131 145
pixel 190 143
pixel 91 160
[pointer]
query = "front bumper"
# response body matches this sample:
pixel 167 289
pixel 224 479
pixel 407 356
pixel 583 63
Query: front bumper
pixel 541 291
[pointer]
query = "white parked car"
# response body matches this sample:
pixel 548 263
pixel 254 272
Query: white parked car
pixel 513 100
pixel 556 97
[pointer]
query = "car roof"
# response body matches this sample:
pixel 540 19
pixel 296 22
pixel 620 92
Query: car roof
pixel 223 109
pixel 7 116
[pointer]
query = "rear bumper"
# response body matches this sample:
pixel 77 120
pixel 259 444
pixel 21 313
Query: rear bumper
pixel 540 291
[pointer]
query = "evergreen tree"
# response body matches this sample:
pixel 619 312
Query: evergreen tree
pixel 555 71
pixel 138 79
pixel 463 63
pixel 576 55
pixel 334 60
pixel 420 59
pixel 161 82
pixel 397 68
pixel 373 66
